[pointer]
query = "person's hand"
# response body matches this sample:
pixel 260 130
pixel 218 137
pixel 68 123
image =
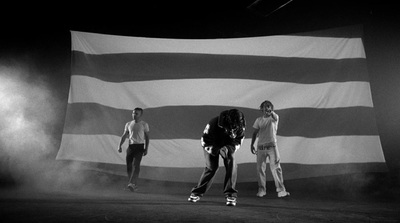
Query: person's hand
pixel 119 149
pixel 277 158
pixel 253 150
pixel 209 150
pixel 145 152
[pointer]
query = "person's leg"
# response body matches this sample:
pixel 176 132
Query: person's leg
pixel 261 168
pixel 138 150
pixel 231 172
pixel 129 160
pixel 276 171
pixel 207 176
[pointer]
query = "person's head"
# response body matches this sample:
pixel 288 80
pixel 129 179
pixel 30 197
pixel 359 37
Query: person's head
pixel 137 113
pixel 266 107
pixel 232 121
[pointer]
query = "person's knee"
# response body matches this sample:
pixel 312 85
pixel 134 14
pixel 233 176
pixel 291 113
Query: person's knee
pixel 276 167
pixel 212 169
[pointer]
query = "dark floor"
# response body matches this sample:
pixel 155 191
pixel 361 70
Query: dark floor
pixel 107 201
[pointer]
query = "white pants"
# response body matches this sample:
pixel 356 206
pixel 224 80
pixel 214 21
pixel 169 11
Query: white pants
pixel 276 170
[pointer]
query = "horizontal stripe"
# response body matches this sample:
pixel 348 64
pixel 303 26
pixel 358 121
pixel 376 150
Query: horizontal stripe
pixel 277 46
pixel 185 153
pixel 189 121
pixel 352 31
pixel 221 92
pixel 156 66
pixel 319 85
pixel 246 171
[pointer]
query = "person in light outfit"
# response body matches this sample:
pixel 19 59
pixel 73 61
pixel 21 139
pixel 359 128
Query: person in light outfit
pixel 265 128
pixel 137 131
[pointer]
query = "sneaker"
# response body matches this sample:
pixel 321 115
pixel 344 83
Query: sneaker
pixel 194 198
pixel 261 194
pixel 283 194
pixel 132 187
pixel 231 201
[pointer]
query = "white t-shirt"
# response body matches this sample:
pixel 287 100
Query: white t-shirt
pixel 136 131
pixel 267 129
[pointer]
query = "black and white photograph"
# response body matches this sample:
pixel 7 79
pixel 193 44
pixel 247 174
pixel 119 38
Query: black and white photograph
pixel 200 111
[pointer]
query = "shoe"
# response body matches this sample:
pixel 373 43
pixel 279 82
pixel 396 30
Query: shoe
pixel 283 194
pixel 194 198
pixel 261 194
pixel 132 187
pixel 231 201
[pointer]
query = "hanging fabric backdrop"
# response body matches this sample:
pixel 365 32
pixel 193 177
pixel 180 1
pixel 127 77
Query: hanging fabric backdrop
pixel 317 81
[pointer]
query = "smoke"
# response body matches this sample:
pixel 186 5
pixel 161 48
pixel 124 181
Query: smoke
pixel 29 112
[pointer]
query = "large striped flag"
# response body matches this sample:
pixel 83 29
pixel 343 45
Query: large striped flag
pixel 317 81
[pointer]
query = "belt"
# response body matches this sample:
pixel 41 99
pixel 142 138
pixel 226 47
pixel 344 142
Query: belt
pixel 137 144
pixel 265 147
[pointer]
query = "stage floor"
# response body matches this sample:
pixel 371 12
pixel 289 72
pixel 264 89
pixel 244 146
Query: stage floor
pixel 167 202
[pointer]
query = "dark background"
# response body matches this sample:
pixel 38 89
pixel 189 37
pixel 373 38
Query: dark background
pixel 37 37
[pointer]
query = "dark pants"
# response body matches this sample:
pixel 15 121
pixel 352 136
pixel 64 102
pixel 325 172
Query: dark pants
pixel 134 155
pixel 211 168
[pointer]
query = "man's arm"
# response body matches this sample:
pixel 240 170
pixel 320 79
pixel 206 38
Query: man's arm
pixel 253 140
pixel 239 138
pixel 123 137
pixel 275 116
pixel 208 137
pixel 147 141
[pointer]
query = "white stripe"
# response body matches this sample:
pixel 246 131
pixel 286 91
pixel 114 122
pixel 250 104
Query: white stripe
pixel 276 46
pixel 219 92
pixel 331 150
pixel 187 153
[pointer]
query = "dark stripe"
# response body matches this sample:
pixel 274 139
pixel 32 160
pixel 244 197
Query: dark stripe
pixel 188 122
pixel 354 31
pixel 246 171
pixel 156 66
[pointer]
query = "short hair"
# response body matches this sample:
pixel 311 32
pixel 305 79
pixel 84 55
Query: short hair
pixel 139 109
pixel 266 103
